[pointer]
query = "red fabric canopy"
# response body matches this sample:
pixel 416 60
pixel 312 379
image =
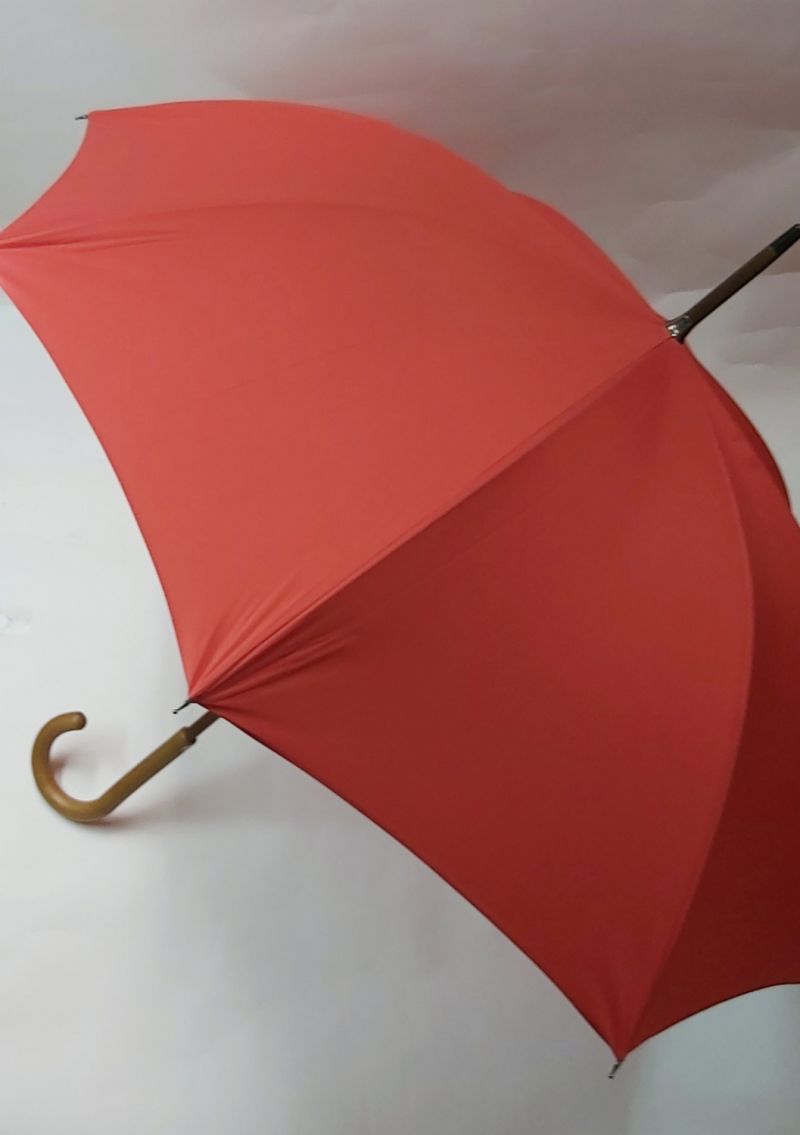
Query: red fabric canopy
pixel 445 517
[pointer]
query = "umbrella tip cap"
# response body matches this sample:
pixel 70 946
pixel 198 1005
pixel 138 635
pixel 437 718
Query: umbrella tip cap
pixel 787 239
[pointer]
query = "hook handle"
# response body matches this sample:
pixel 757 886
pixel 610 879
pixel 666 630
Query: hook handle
pixel 89 811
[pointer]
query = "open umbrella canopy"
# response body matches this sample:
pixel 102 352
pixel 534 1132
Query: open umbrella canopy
pixel 445 516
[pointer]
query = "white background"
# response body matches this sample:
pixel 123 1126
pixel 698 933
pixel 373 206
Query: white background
pixel 240 953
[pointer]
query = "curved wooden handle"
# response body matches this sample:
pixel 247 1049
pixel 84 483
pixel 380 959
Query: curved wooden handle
pixel 89 811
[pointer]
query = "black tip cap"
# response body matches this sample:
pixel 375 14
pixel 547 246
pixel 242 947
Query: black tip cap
pixel 786 240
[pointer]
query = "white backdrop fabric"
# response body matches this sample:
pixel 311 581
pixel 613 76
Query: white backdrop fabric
pixel 240 952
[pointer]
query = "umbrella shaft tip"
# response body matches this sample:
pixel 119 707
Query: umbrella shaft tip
pixel 786 240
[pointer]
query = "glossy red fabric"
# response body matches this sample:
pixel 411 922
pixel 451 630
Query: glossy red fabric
pixel 443 516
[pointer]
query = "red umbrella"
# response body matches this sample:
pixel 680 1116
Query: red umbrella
pixel 447 516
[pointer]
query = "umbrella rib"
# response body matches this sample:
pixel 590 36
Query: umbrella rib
pixel 209 692
pixel 698 879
